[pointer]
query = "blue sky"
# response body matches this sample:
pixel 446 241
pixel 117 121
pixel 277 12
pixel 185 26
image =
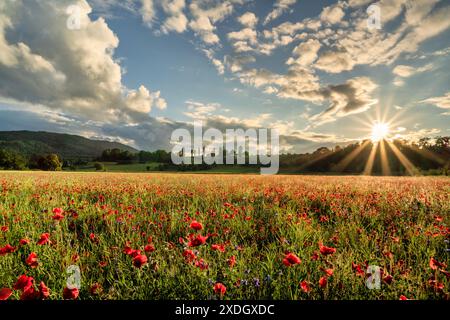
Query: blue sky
pixel 135 70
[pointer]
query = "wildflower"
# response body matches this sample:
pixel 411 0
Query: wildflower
pixel 323 282
pixel 32 260
pixel 95 289
pixel 218 247
pixel 220 289
pixel 5 293
pixel 291 259
pixel 70 294
pixel 197 226
pixel 44 290
pixel 7 249
pixel 232 261
pixel 305 286
pixel 434 264
pixel 139 260
pixel 44 239
pixel 24 242
pixel 197 241
pixel 189 255
pixel 23 282
pixel 326 250
pixel 149 248
pixel 388 279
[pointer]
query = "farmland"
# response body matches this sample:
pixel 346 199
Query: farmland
pixel 183 236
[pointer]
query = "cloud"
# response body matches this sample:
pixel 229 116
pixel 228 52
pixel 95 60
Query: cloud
pixel 352 97
pixel 407 71
pixel 280 7
pixel 248 19
pixel 72 70
pixel 305 53
pixel 333 14
pixel 440 102
pixel 148 12
pixel 176 19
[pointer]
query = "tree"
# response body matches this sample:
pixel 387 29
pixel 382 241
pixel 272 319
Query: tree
pixel 99 166
pixel 11 160
pixel 50 162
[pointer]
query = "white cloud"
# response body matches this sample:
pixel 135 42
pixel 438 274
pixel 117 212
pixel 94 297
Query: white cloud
pixel 333 14
pixel 407 71
pixel 440 102
pixel 280 7
pixel 176 19
pixel 72 70
pixel 248 19
pixel 148 12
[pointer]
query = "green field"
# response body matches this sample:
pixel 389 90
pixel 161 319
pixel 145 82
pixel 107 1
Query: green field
pixel 185 236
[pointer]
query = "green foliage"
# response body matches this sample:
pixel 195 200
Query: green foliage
pixel 99 166
pixel 11 161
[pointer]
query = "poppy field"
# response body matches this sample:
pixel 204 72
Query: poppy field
pixel 189 236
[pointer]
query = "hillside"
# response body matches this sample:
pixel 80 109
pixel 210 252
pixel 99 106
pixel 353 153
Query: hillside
pixel 65 145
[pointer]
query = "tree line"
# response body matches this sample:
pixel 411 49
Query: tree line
pixel 429 155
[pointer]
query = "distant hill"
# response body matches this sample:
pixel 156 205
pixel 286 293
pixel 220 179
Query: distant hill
pixel 65 145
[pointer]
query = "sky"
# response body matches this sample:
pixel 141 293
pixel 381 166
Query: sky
pixel 321 72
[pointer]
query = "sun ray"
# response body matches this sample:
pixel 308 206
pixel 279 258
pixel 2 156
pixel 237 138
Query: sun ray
pixel 410 168
pixel 385 169
pixel 370 161
pixel 352 155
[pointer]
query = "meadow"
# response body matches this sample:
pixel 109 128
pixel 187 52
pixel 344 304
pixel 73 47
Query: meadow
pixel 184 236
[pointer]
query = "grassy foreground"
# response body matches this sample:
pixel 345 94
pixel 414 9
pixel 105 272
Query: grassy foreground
pixel 169 236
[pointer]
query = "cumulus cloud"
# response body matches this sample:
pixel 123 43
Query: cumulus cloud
pixel 440 102
pixel 248 19
pixel 280 7
pixel 407 71
pixel 72 70
pixel 333 14
pixel 148 12
pixel 176 19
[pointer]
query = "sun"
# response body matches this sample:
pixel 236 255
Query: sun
pixel 380 131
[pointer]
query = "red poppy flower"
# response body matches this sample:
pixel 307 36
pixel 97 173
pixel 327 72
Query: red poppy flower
pixel 58 217
pixel 189 255
pixel 70 294
pixel 149 248
pixel 197 241
pixel 4 228
pixel 23 282
pixel 434 264
pixel 95 289
pixel 328 272
pixel 402 297
pixel 305 286
pixel 92 236
pixel 29 293
pixel 139 260
pixel 196 225
pixel 388 279
pixel 291 259
pixel 24 242
pixel 44 239
pixel 326 250
pixel 220 289
pixel 44 290
pixel 315 256
pixel 7 249
pixel 323 282
pixel 201 264
pixel 357 268
pixel 32 260
pixel 232 261
pixel 57 211
pixel 5 293
pixel 219 247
